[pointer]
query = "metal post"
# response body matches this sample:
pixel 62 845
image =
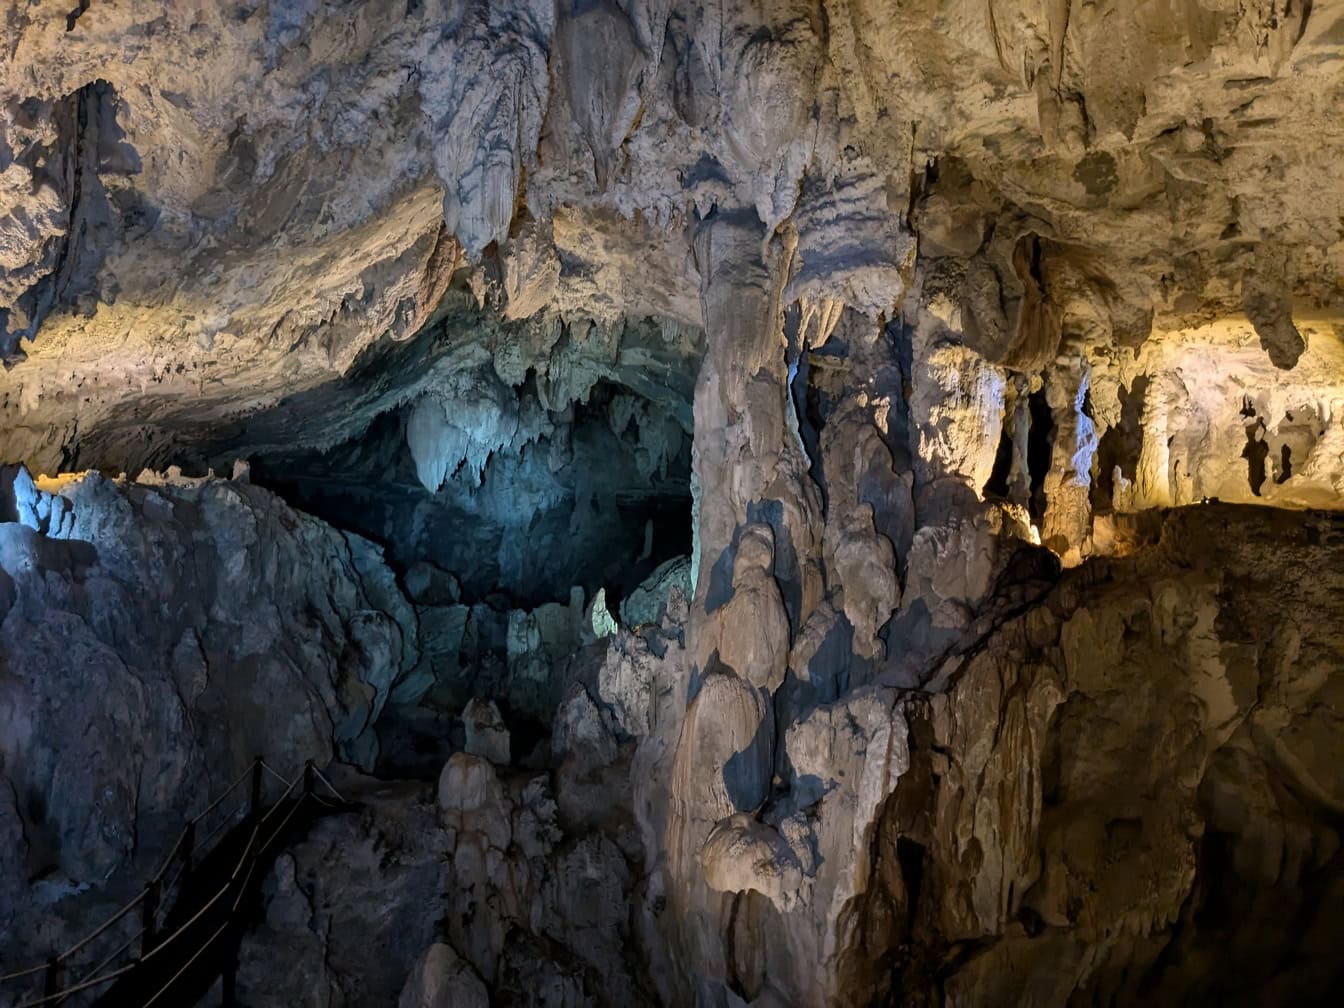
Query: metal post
pixel 52 986
pixel 256 787
pixel 150 909
pixel 188 850
pixel 309 778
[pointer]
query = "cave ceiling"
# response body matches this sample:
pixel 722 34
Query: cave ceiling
pixel 217 220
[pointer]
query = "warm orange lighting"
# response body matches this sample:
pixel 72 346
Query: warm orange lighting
pixel 55 484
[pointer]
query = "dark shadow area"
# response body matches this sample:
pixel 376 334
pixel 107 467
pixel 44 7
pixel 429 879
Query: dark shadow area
pixel 1256 453
pixel 741 773
pixel 911 854
pixel 787 570
pixel 579 507
pixel 997 484
pixel 1120 446
pixel 1251 941
pixel 1040 448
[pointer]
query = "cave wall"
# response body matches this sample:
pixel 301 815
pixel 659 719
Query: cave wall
pixel 150 631
pixel 1162 842
pixel 947 297
pixel 1123 792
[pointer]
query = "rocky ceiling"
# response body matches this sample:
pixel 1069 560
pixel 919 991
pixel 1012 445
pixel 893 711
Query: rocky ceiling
pixel 211 209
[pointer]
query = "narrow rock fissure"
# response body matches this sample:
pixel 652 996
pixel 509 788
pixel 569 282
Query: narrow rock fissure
pixel 1119 448
pixel 1256 453
pixel 75 14
pixel 910 854
pixel 1040 449
pixel 997 484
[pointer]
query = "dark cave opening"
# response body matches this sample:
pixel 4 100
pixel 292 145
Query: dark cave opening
pixel 582 505
pixel 910 854
pixel 1040 448
pixel 1119 447
pixel 997 484
pixel 503 563
pixel 1256 454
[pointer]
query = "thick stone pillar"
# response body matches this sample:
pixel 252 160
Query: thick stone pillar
pixel 758 577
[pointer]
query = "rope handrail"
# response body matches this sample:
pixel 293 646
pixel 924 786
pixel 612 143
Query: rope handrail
pixel 156 877
pixel 330 786
pixel 187 965
pixel 177 845
pixel 205 842
pixel 256 829
pixel 227 791
pixel 245 864
pixel 139 898
pixel 192 920
pixel 278 830
pixel 275 773
pixel 108 961
pixel 243 859
pixel 291 785
pixel 81 986
pixel 22 973
pixel 247 878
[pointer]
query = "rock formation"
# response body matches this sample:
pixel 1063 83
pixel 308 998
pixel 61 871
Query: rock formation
pixel 150 629
pixel 756 503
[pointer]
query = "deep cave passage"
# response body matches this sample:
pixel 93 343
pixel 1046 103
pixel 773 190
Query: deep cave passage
pixel 1040 447
pixel 597 500
pixel 1256 453
pixel 1120 446
pixel 592 496
pixel 997 484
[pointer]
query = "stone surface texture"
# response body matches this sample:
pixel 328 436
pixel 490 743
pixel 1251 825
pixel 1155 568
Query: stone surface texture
pixel 840 499
pixel 149 631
